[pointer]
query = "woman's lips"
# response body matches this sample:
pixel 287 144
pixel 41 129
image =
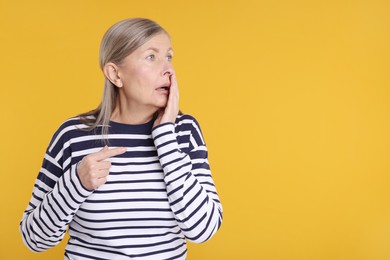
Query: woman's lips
pixel 163 89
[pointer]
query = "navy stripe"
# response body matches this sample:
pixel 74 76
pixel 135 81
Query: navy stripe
pixel 177 168
pixel 129 190
pixel 162 134
pixel 194 212
pixel 130 236
pixel 205 228
pixel 166 154
pixel 126 227
pixel 189 203
pixel 135 163
pixel 52 222
pixel 38 223
pixel 178 188
pixel 165 144
pixel 173 161
pixel 124 219
pixel 133 246
pixel 135 172
pixel 127 200
pixel 51 205
pixel 124 210
pixel 135 181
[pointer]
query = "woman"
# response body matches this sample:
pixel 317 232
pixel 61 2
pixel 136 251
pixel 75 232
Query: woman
pixel 131 178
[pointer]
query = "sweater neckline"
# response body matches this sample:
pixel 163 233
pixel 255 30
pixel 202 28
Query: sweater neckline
pixel 132 127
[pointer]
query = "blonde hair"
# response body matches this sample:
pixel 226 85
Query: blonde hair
pixel 118 42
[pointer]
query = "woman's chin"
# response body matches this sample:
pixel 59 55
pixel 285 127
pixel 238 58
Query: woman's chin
pixel 161 104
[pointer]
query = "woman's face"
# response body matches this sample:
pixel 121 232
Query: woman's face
pixel 146 73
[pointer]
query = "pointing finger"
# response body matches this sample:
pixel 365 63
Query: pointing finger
pixel 106 153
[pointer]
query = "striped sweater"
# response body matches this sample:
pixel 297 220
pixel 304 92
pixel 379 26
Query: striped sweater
pixel 159 193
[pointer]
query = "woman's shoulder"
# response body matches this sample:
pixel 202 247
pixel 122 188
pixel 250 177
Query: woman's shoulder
pixel 68 129
pixel 72 123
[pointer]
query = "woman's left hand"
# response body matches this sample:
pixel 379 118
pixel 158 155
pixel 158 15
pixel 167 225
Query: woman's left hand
pixel 169 113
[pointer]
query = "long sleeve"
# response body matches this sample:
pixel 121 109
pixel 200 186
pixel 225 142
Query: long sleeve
pixel 191 191
pixel 57 195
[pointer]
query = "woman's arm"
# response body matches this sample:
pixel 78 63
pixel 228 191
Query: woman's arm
pixel 56 197
pixel 191 191
pixel 59 192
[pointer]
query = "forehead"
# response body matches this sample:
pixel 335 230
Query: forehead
pixel 160 42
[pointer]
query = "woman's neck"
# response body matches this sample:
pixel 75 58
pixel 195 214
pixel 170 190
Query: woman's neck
pixel 132 115
pixel 130 119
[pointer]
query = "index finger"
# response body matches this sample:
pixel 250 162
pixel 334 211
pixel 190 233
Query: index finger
pixel 173 80
pixel 106 153
pixel 174 89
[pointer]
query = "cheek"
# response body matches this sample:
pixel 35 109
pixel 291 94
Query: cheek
pixel 148 80
pixel 144 76
pixel 133 80
pixel 141 79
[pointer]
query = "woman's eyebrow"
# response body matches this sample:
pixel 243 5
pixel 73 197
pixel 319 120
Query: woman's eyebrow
pixel 157 50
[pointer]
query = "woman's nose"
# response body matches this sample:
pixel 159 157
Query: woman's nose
pixel 167 69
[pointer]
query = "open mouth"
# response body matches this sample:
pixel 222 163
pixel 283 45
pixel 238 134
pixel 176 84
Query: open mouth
pixel 164 89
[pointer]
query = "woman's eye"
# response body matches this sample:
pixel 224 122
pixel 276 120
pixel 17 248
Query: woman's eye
pixel 169 58
pixel 151 57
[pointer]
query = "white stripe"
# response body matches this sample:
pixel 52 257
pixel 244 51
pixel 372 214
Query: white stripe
pixel 49 174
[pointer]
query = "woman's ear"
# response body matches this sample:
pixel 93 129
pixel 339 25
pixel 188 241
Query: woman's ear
pixel 110 70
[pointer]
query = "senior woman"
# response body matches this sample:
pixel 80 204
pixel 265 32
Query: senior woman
pixel 129 179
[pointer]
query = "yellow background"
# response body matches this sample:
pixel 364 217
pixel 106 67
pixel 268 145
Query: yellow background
pixel 293 98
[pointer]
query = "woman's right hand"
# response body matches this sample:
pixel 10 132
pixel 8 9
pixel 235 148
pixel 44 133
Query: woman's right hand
pixel 169 113
pixel 93 169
